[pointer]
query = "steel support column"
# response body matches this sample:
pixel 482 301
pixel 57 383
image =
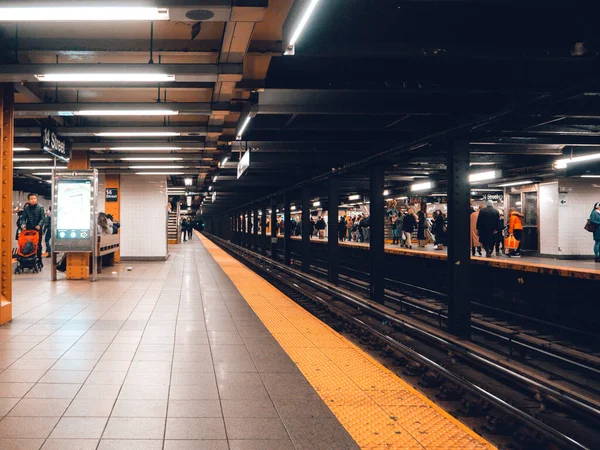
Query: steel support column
pixel 273 229
pixel 78 264
pixel 287 236
pixel 255 223
pixel 376 243
pixel 7 127
pixel 333 242
pixel 459 256
pixel 263 230
pixel 306 256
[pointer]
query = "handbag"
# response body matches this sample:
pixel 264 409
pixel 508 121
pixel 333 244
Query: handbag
pixel 589 226
pixel 511 243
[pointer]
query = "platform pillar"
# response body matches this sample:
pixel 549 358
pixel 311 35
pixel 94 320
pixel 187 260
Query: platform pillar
pixel 333 242
pixel 78 264
pixel 7 128
pixel 287 236
pixel 113 181
pixel 255 223
pixel 306 256
pixel 376 242
pixel 263 230
pixel 273 229
pixel 459 255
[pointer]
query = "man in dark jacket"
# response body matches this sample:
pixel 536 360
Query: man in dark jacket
pixel 34 217
pixel 487 227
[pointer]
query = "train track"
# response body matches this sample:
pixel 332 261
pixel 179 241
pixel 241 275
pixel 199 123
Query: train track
pixel 557 410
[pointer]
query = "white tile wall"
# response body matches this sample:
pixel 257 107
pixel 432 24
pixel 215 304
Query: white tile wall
pixel 581 195
pixel 143 216
pixel 548 197
pixel 101 197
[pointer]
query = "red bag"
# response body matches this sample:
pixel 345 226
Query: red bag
pixel 510 243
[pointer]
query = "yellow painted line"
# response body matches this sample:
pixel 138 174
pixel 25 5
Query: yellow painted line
pixel 377 408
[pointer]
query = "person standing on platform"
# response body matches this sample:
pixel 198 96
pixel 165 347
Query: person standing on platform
pixel 34 217
pixel 410 220
pixel 342 229
pixel 475 242
pixel 190 228
pixel 421 228
pixel 487 224
pixel 396 230
pixel 515 228
pixel 48 232
pixel 321 225
pixel 184 229
pixel 349 223
pixel 595 220
pixel 500 236
pixel 439 232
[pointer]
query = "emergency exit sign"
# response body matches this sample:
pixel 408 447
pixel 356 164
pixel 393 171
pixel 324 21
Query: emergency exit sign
pixel 112 194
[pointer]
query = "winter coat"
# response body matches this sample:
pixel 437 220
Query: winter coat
pixel 474 236
pixel 34 216
pixel 488 223
pixel 515 222
pixel 595 219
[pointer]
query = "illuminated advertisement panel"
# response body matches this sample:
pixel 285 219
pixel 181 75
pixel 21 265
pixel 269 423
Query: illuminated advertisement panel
pixel 73 209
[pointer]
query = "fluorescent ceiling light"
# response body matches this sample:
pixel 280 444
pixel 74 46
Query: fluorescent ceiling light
pixel 105 77
pixel 401 198
pixel 42 174
pixel 79 13
pixel 354 197
pixel 244 126
pixel 590 176
pixel 440 195
pixel 137 134
pixel 21 149
pixel 483 176
pixel 126 112
pixel 483 164
pixel 31 159
pixel 386 192
pixel 210 188
pixel 293 208
pixel 156 167
pixel 421 186
pixel 215 178
pixel 303 21
pixel 39 167
pixel 224 161
pixel 118 149
pixel 188 181
pixel 315 205
pixel 168 158
pixel 159 173
pixel 516 183
pixel 562 163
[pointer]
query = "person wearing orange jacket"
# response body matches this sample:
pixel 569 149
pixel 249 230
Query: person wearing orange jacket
pixel 515 228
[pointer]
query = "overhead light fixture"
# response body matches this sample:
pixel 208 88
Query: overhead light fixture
pixel 224 161
pixel 244 126
pixel 562 163
pixel 210 188
pixel 215 178
pixel 483 176
pixel 118 149
pixel 159 173
pixel 126 112
pixel 386 193
pixel 39 167
pixel 42 174
pixel 315 205
pixel 590 176
pixel 188 200
pixel 21 149
pixel 354 197
pixel 105 77
pixel 168 158
pixel 421 186
pixel 156 167
pixel 138 134
pixel 31 159
pixel 188 181
pixel 516 183
pixel 482 164
pixel 301 25
pixel 440 194
pixel 82 13
pixel 293 208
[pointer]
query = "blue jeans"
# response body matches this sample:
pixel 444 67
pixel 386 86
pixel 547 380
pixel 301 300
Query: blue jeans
pixel 597 249
pixel 396 233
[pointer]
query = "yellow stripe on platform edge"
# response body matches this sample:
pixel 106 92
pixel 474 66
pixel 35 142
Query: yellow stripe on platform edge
pixel 377 408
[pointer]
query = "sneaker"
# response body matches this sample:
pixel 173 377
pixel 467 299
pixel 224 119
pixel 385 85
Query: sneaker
pixel 516 255
pixel 435 247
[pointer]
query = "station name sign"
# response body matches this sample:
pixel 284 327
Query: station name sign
pixel 112 194
pixel 53 144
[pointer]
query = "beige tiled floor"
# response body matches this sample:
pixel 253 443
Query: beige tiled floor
pixel 165 356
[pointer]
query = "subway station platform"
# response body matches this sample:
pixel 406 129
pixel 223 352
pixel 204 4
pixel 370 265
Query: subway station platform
pixel 197 352
pixel 573 268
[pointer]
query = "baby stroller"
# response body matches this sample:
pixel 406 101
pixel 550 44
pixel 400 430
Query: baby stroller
pixel 27 257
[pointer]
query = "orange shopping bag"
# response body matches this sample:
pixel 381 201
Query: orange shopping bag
pixel 510 243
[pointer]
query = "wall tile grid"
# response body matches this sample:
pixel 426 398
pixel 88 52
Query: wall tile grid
pixel 548 198
pixel 143 216
pixel 581 194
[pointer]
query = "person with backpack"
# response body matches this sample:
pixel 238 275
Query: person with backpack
pixel 593 225
pixel 320 226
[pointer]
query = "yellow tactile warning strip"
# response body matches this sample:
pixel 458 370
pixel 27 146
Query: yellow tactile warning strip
pixel 378 409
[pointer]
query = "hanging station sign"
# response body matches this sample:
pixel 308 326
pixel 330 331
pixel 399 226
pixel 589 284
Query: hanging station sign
pixel 53 144
pixel 243 164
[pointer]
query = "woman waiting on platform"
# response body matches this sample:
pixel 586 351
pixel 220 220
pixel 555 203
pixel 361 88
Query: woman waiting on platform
pixel 595 220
